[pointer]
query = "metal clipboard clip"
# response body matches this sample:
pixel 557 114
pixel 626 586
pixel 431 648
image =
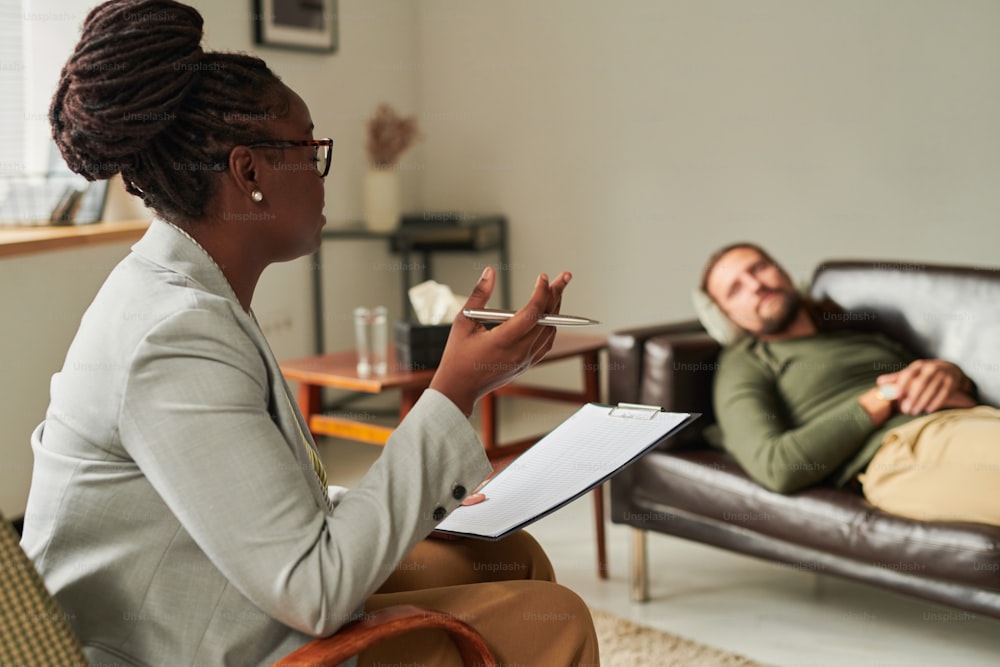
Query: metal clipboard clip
pixel 635 411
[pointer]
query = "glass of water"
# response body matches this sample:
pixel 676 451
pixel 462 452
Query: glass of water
pixel 371 336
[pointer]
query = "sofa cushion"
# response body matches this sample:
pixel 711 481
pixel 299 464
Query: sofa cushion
pixel 710 484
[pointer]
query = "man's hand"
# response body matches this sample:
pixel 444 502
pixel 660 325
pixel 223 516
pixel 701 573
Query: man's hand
pixel 478 360
pixel 878 408
pixel 928 385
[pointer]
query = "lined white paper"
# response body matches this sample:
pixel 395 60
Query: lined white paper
pixel 581 452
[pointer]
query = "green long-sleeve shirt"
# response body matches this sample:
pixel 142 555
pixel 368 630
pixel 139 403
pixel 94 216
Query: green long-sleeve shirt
pixel 788 409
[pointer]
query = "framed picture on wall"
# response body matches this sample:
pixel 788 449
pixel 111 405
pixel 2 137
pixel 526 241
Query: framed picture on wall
pixel 309 25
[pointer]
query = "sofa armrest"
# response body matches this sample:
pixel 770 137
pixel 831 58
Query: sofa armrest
pixel 626 357
pixel 677 374
pixel 672 366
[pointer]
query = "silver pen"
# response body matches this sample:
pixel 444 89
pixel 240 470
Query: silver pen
pixel 550 319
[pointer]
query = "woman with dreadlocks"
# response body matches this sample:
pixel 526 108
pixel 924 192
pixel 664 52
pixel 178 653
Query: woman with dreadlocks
pixel 178 510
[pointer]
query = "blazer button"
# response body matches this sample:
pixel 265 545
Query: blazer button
pixel 458 492
pixel 439 513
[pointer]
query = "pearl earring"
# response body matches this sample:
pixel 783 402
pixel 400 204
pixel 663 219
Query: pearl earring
pixel 257 196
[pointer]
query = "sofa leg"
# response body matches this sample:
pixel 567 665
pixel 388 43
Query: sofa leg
pixel 639 568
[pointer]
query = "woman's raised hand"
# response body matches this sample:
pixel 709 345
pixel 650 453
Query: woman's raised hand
pixel 478 360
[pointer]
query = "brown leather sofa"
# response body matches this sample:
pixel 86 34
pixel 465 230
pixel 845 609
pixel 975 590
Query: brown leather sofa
pixel 693 490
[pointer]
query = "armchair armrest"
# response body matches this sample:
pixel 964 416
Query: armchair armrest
pixel 357 636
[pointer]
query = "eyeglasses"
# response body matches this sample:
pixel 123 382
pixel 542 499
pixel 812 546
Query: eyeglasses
pixel 323 149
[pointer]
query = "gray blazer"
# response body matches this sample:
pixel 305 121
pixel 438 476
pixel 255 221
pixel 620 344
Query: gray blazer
pixel 174 512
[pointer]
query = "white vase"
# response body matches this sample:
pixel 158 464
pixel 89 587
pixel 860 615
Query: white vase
pixel 382 199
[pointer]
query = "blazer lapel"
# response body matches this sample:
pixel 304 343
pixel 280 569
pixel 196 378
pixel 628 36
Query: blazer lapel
pixel 288 417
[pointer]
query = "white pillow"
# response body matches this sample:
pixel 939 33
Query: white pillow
pixel 716 323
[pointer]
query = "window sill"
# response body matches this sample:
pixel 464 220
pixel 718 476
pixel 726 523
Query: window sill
pixel 19 241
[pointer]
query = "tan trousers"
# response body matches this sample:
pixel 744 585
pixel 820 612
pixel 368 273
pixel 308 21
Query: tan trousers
pixel 942 467
pixel 506 590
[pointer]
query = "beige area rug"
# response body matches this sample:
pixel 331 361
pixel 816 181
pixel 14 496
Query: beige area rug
pixel 626 644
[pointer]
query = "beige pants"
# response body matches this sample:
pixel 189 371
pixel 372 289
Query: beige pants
pixel 942 467
pixel 506 590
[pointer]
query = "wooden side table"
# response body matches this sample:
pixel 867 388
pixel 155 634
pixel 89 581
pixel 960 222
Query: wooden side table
pixel 338 370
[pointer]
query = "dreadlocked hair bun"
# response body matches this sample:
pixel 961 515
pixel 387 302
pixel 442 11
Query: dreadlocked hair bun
pixel 140 97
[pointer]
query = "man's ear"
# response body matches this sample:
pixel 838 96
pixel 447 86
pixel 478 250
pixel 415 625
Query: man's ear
pixel 243 169
pixel 716 323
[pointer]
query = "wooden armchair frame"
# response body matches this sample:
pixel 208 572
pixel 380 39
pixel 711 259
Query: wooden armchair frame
pixel 357 636
pixel 33 630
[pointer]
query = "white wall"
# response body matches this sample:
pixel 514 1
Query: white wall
pixel 624 141
pixel 627 140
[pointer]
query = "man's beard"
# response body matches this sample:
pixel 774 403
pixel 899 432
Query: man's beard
pixel 781 320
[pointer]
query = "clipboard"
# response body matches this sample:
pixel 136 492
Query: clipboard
pixel 590 447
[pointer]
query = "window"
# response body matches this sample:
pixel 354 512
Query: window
pixel 12 101
pixel 35 184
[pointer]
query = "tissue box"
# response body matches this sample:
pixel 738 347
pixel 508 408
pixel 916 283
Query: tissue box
pixel 420 346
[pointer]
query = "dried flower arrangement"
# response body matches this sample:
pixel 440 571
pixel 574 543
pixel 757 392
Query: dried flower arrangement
pixel 389 135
